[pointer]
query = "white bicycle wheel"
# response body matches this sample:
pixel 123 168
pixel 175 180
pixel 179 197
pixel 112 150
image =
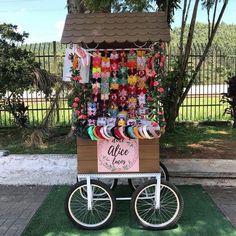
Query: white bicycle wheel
pixel 143 205
pixel 103 205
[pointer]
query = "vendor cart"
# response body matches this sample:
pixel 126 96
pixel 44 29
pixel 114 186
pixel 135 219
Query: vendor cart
pixel 118 138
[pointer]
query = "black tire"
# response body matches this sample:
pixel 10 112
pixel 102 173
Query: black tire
pixel 164 172
pixel 76 205
pixel 145 193
pixel 164 177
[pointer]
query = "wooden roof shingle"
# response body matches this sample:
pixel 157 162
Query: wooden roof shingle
pixel 116 28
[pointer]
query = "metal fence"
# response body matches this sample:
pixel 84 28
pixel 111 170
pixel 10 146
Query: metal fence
pixel 202 102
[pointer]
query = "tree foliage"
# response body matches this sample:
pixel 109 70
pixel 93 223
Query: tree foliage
pixel 16 64
pixel 19 72
pixel 107 6
pixel 224 41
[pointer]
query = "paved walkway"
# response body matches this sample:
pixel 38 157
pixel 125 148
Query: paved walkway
pixel 225 199
pixel 19 204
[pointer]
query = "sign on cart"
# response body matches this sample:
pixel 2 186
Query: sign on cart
pixel 118 155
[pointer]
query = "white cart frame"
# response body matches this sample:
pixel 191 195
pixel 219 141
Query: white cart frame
pixel 88 178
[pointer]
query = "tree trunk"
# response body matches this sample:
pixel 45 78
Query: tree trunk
pixel 172 113
pixel 75 6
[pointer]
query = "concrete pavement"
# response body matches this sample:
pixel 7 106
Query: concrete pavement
pixel 225 199
pixel 17 206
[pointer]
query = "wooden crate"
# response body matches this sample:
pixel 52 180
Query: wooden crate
pixel 149 156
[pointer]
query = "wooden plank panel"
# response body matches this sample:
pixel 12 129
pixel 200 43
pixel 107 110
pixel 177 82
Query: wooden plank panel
pixel 149 152
pixel 87 152
pixel 87 167
pixel 149 141
pixel 144 166
pixel 85 142
pixel 149 166
pixel 87 156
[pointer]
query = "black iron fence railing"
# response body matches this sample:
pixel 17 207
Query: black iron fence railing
pixel 202 102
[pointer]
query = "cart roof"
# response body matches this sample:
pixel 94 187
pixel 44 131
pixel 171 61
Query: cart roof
pixel 118 28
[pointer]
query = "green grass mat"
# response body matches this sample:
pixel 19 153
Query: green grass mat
pixel 200 217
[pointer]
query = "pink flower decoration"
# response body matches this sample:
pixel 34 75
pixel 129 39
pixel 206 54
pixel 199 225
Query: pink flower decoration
pixel 76 99
pixel 154 124
pixel 77 112
pixel 161 90
pixel 75 104
pixel 149 98
pixel 83 117
pixel 160 113
pixel 156 83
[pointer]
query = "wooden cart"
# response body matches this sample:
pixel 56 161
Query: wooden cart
pixel 90 204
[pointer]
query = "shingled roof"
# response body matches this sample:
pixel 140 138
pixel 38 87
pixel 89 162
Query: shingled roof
pixel 116 28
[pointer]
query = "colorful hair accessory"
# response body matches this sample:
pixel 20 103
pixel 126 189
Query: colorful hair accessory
pixel 132 80
pixel 145 132
pixel 114 134
pixel 114 67
pixel 96 70
pixel 114 83
pixel 97 59
pixel 105 89
pixel 117 133
pixel 131 122
pixel 103 133
pixel 142 99
pixel 141 59
pixel 136 133
pixel 107 131
pixel 101 121
pixel 140 130
pixel 132 59
pixel 132 90
pixel 98 133
pixel 142 73
pixel 111 121
pixel 142 111
pixel 141 91
pixel 154 132
pixel 114 57
pixel 75 63
pixel 96 80
pixel 121 130
pixel 123 58
pixel 132 71
pixel 131 132
pixel 91 122
pixel 126 133
pixel 105 64
pixel 132 102
pixel 123 72
pixel 90 133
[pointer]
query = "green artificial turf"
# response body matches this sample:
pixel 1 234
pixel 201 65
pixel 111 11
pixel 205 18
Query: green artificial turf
pixel 201 217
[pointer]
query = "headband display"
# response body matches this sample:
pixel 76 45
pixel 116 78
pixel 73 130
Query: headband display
pixel 123 97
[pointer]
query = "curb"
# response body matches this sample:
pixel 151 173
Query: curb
pixel 55 169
